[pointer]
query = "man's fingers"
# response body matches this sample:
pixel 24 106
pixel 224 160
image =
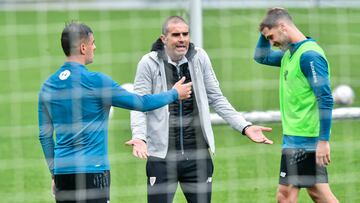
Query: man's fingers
pixel 188 89
pixel 181 81
pixel 322 160
pixel 141 154
pixel 135 153
pixel 257 138
pixel 267 141
pixel 189 95
pixel 188 84
pixel 130 142
pixel 325 161
pixel 319 161
pixel 328 158
pixel 144 155
pixel 184 90
pixel 139 148
pixel 266 129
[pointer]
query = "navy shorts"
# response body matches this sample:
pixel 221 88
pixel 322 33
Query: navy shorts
pixel 83 188
pixel 298 168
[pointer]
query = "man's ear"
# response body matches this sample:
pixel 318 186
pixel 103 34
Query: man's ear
pixel 163 38
pixel 82 48
pixel 282 26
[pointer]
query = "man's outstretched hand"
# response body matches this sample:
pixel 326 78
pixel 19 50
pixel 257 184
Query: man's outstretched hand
pixel 139 148
pixel 255 133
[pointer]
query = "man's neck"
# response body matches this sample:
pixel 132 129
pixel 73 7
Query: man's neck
pixel 297 36
pixel 178 62
pixel 77 59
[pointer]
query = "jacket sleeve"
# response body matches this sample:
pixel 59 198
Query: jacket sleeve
pixel 216 98
pixel 142 86
pixel 46 131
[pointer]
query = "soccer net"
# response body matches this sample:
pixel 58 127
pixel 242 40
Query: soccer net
pixel 124 31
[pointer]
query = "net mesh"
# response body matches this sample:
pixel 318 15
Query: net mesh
pixel 244 172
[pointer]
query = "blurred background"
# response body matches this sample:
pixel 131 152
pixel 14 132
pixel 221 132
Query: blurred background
pixel 124 30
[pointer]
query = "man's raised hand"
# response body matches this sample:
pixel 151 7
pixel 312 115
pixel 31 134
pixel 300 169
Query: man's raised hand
pixel 184 90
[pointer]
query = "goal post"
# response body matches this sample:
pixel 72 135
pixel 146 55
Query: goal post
pixel 196 24
pixel 274 116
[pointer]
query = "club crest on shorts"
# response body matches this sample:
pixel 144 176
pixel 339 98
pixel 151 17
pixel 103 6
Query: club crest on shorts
pixel 152 180
pixel 283 174
pixel 209 180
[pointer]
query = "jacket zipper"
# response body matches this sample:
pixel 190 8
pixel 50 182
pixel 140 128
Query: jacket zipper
pixel 181 130
pixel 181 118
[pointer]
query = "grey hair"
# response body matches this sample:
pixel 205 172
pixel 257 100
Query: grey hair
pixel 172 19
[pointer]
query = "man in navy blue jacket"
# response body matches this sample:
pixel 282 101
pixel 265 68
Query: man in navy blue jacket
pixel 74 104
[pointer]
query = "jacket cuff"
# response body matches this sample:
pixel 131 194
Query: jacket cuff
pixel 245 128
pixel 140 136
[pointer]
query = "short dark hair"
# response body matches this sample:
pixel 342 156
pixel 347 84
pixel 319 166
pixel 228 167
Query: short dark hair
pixel 273 16
pixel 73 34
pixel 172 19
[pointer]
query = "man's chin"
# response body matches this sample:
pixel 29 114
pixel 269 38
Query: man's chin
pixel 284 48
pixel 88 62
pixel 180 53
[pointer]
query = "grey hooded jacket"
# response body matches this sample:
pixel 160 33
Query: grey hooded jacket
pixel 153 126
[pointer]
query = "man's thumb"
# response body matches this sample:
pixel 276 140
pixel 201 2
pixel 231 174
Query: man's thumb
pixel 181 81
pixel 130 142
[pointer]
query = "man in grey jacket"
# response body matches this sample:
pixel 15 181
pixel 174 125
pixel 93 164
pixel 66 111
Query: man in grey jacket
pixel 176 139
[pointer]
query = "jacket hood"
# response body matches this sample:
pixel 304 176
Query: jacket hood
pixel 158 46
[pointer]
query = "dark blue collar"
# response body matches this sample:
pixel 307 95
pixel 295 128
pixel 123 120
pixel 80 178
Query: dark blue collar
pixel 294 46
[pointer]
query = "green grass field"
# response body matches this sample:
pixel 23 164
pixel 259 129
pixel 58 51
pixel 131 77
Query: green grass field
pixel 244 172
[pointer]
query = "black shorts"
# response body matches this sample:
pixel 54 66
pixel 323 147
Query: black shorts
pixel 194 175
pixel 83 188
pixel 298 168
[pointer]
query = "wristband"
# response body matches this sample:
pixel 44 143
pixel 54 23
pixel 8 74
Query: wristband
pixel 244 129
